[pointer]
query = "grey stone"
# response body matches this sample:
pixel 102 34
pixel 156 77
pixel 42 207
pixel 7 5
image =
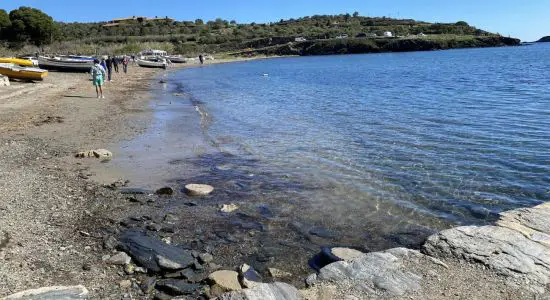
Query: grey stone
pixel 148 284
pixel 382 270
pixel 198 189
pixel 507 251
pixel 52 293
pixel 205 258
pixel 145 249
pixel 177 287
pixel 265 291
pixel 167 264
pixel 119 258
pixel 110 243
pixel 311 280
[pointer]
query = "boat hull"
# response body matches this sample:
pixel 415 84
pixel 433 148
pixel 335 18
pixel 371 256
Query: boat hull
pixel 24 74
pixel 151 64
pixel 177 59
pixel 17 61
pixel 66 66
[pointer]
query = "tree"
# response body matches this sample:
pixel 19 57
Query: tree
pixel 5 24
pixel 199 22
pixel 461 23
pixel 356 14
pixel 31 24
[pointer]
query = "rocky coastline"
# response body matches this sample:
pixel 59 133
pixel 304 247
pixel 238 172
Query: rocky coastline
pixel 64 236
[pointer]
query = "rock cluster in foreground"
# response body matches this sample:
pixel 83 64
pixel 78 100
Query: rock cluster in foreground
pixel 514 254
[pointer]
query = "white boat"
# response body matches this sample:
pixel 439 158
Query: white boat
pixel 71 65
pixel 176 59
pixel 152 62
pixel 152 52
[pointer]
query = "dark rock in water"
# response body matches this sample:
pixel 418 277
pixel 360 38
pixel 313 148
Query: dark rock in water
pixel 190 204
pixel 177 287
pixel 329 255
pixel 146 250
pixel 165 191
pixel 265 211
pixel 133 191
pixel 322 232
pixel 248 276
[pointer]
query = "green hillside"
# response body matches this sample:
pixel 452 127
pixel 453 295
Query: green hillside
pixel 327 34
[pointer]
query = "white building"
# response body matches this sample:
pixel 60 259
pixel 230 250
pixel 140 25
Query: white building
pixel 388 34
pixel 300 39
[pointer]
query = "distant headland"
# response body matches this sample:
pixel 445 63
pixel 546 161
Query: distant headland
pixel 545 39
pixel 314 35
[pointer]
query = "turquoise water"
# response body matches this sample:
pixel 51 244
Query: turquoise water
pixel 380 147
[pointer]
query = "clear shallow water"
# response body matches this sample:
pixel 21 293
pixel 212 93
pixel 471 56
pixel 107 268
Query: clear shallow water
pixel 376 149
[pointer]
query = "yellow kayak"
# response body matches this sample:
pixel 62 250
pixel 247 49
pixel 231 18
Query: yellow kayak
pixel 17 61
pixel 25 73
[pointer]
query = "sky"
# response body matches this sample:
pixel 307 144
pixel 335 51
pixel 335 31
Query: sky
pixel 528 20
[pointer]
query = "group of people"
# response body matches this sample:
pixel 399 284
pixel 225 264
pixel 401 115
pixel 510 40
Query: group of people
pixel 103 69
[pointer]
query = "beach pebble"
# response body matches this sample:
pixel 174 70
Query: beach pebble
pixel 198 189
pixel 276 273
pixel 227 208
pixel 249 276
pixel 119 258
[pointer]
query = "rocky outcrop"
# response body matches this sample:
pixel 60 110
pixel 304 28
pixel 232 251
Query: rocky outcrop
pixel 265 291
pixel 52 293
pixel 518 246
pixel 545 39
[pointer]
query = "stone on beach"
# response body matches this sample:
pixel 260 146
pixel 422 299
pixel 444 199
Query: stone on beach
pixel 52 293
pixel 119 258
pixel 224 281
pixel 145 251
pixel 249 276
pixel 198 189
pixel 4 80
pixel 99 153
pixel 177 287
pixel 265 291
pixel 167 191
pixel 276 273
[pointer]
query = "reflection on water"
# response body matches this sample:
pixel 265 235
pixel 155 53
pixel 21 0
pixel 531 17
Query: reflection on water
pixel 370 151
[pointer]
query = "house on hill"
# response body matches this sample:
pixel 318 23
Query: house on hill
pixel 134 19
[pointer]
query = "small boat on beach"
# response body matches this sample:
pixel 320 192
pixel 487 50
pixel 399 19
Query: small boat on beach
pixel 17 61
pixel 25 73
pixel 176 59
pixel 65 64
pixel 155 62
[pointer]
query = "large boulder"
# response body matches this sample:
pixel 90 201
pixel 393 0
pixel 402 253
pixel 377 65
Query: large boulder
pixel 265 291
pixel 52 293
pixel 152 253
pixel 382 271
pixel 506 251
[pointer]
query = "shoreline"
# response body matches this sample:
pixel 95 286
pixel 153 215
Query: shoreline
pixel 59 219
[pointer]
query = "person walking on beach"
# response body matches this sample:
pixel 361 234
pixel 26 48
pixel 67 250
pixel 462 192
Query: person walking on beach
pixel 201 59
pixel 115 63
pixel 109 63
pixel 125 64
pixel 98 75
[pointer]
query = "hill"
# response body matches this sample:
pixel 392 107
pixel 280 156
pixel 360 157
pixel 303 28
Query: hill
pixel 320 34
pixel 545 39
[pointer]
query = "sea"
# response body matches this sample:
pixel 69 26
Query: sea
pixel 368 151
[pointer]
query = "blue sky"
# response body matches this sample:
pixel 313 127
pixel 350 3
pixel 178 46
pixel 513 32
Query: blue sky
pixel 525 19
